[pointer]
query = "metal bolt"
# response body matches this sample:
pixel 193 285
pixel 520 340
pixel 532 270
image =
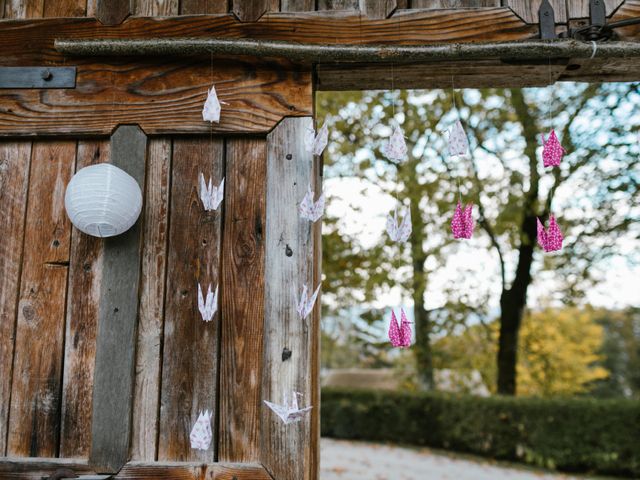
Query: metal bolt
pixel 46 75
pixel 289 156
pixel 287 251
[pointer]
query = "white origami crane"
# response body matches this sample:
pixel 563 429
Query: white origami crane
pixel 399 232
pixel 458 143
pixel 305 305
pixel 211 196
pixel 316 143
pixel 396 148
pixel 310 210
pixel 289 412
pixel 201 432
pixel 211 109
pixel 208 307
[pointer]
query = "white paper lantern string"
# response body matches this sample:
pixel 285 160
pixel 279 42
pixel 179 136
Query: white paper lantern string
pixel 103 200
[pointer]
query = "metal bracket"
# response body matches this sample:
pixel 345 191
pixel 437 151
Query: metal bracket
pixel 37 77
pixel 597 13
pixel 547 21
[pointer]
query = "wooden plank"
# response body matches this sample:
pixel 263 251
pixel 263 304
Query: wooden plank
pixel 34 418
pixel 258 95
pixel 190 352
pixel 454 3
pixel 528 9
pixel 155 8
pixel 192 7
pixel 242 300
pixel 23 8
pixel 38 468
pixel 151 316
pixel 112 12
pixel 580 8
pixel 249 10
pixel 286 449
pixel 118 312
pixel 65 8
pixel 14 177
pixel 83 296
pixel 629 9
pixel 477 74
pixel 297 5
pixel 31 42
pixel 338 4
pixel 378 8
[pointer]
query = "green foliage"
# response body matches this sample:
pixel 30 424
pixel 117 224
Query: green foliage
pixel 566 434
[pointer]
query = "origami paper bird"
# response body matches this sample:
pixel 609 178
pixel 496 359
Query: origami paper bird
pixel 209 307
pixel 458 143
pixel 396 148
pixel 211 109
pixel 552 151
pixel 550 240
pixel 399 232
pixel 211 196
pixel 309 210
pixel 289 412
pixel 305 305
pixel 462 223
pixel 400 335
pixel 201 432
pixel 316 143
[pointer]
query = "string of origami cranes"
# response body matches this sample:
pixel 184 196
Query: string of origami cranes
pixel 398 226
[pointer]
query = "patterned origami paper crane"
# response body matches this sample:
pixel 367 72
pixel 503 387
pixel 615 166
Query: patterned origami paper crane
pixel 208 307
pixel 211 196
pixel 201 432
pixel 462 223
pixel 211 109
pixel 400 335
pixel 552 151
pixel 289 412
pixel 396 148
pixel 458 143
pixel 305 305
pixel 316 143
pixel 309 210
pixel 399 232
pixel 550 240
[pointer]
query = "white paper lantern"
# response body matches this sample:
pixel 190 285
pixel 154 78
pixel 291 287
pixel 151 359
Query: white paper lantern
pixel 103 200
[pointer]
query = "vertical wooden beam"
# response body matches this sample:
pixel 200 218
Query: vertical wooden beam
pixel 118 313
pixel 14 178
pixel 287 449
pixel 193 7
pixel 242 300
pixel 338 4
pixel 249 10
pixel 436 4
pixel 65 8
pixel 112 12
pixel 527 10
pixel 377 8
pixel 151 315
pixel 83 296
pixel 190 351
pixel 34 418
pixel 297 5
pixel 23 8
pixel 155 8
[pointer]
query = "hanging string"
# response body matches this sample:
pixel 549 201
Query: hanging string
pixel 393 91
pixel 551 94
pixel 211 83
pixel 459 192
pixel 453 95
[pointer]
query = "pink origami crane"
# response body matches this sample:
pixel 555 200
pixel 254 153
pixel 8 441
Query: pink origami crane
pixel 550 240
pixel 462 223
pixel 552 151
pixel 400 335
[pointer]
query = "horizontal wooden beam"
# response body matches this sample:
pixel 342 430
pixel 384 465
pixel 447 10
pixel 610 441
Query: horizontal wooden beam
pixel 14 468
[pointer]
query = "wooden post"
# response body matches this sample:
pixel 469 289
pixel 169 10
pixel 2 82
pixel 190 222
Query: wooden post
pixel 117 322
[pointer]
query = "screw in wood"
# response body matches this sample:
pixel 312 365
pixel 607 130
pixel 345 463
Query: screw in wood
pixel 46 75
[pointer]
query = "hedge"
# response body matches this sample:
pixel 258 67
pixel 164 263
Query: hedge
pixel 576 435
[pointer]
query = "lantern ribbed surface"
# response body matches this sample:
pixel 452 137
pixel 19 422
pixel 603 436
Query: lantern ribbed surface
pixel 103 200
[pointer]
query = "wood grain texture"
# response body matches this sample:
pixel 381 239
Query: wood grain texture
pixel 286 449
pixel 34 419
pixel 454 3
pixel 112 12
pixel 338 4
pixel 580 8
pixel 297 5
pixel 156 8
pixel 65 8
pixel 249 10
pixel 528 9
pixel 193 7
pixel 162 97
pixel 151 315
pixel 23 8
pixel 38 468
pixel 629 9
pixel 83 296
pixel 242 300
pixel 190 352
pixel 377 8
pixel 14 176
pixel 118 314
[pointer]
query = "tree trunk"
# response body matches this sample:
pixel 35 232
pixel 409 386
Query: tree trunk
pixel 512 304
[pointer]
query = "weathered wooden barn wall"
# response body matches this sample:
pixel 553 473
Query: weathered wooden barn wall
pixel 52 277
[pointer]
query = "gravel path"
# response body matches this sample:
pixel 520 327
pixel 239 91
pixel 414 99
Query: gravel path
pixel 346 460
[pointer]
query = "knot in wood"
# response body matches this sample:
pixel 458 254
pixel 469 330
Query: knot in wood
pixel 287 251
